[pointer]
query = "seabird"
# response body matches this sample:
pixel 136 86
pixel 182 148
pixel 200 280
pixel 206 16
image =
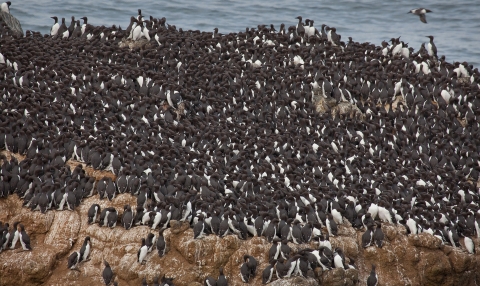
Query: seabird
pixel 421 13
pixel 5 7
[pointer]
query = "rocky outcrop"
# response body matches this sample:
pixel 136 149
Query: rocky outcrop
pixel 12 23
pixel 403 260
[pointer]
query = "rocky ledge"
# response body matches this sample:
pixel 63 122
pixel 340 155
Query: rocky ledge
pixel 403 260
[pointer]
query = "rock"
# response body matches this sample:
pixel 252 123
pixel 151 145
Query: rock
pixel 334 277
pixel 461 261
pixel 390 231
pixel 294 281
pixel 425 240
pixel 12 23
pixel 436 269
pixel 177 227
pixel 351 275
pixel 131 44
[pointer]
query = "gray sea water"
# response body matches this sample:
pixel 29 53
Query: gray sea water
pixel 455 24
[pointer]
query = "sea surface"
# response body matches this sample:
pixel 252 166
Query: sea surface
pixel 455 24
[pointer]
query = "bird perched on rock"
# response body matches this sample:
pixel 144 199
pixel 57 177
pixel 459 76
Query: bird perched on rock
pixel 142 252
pixel 378 235
pixel 73 261
pixel 107 273
pixel 24 238
pixel 431 48
pixel 85 249
pixel 248 268
pixel 372 279
pixel 5 7
pixel 55 27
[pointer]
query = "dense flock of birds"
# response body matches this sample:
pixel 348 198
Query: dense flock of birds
pixel 221 131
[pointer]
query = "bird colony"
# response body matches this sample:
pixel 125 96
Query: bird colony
pixel 222 131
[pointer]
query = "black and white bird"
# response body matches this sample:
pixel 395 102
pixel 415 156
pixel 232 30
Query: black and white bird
pixel 222 279
pixel 378 235
pixel 73 261
pixel 93 212
pixel 85 249
pixel 469 245
pixel 127 217
pixel 63 30
pixel 161 244
pixel 372 280
pixel 199 228
pixel 24 238
pixel 331 225
pixel 367 237
pixel 84 25
pixel 14 235
pixel 5 7
pixel 339 259
pixel 142 252
pixel 248 268
pixel 431 48
pixel 210 281
pixel 107 273
pixel 267 273
pixel 421 13
pixel 55 27
pixel 151 241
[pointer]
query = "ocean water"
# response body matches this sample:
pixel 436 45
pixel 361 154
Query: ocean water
pixel 454 24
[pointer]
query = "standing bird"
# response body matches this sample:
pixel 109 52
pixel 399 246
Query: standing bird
pixel 248 268
pixel 142 252
pixel 24 238
pixel 378 235
pixel 339 259
pixel 71 28
pixel 93 213
pixel 73 261
pixel 199 228
pixel 300 28
pixel 107 273
pixel 367 237
pixel 431 48
pixel 13 237
pixel 84 25
pixel 63 30
pixel 469 245
pixel 421 13
pixel 331 225
pixel 5 7
pixel 161 244
pixel 127 218
pixel 372 280
pixel 55 27
pixel 267 274
pixel 85 249
pixel 77 32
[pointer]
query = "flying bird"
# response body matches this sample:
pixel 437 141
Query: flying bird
pixel 421 13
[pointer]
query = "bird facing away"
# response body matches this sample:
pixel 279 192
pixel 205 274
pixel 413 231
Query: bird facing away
pixel 421 13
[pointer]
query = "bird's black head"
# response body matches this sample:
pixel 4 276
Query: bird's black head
pixel 8 3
